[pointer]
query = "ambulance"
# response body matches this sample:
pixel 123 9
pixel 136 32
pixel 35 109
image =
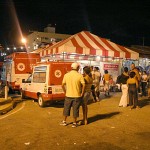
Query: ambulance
pixel 18 66
pixel 44 85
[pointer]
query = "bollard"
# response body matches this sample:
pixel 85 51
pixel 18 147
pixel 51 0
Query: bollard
pixel 6 92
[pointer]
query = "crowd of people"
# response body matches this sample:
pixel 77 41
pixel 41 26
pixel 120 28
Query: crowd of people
pixel 133 83
pixel 79 88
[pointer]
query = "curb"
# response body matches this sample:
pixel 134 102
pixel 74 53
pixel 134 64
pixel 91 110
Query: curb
pixel 6 105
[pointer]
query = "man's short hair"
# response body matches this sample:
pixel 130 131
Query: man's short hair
pixel 132 74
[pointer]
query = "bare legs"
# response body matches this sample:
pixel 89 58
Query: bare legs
pixel 85 112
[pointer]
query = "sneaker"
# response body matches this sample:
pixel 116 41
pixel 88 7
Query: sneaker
pixel 63 123
pixel 74 125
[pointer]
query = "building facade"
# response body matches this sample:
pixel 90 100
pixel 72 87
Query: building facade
pixel 38 39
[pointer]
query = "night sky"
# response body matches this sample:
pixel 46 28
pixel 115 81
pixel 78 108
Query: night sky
pixel 125 22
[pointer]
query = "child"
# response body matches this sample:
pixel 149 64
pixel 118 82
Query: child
pixel 132 84
pixel 111 83
pixel 106 78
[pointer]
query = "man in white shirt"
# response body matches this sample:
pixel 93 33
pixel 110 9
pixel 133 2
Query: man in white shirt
pixel 96 81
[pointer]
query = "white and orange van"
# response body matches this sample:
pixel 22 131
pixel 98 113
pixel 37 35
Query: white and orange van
pixel 18 66
pixel 45 82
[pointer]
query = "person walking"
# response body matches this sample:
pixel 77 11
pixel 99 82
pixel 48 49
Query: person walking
pixel 88 83
pixel 96 75
pixel 124 98
pixel 132 84
pixel 106 78
pixel 73 85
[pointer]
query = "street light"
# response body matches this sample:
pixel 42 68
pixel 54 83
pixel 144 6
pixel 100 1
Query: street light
pixel 23 40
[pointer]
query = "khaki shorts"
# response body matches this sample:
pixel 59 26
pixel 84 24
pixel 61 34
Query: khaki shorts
pixel 106 86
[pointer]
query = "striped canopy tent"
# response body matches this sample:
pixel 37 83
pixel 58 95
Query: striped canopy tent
pixel 89 44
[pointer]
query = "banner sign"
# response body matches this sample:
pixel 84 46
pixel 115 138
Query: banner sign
pixel 111 66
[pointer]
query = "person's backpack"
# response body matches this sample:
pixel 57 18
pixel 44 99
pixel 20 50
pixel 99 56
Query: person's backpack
pixel 119 79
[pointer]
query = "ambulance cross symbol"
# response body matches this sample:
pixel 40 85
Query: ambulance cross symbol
pixel 58 73
pixel 21 66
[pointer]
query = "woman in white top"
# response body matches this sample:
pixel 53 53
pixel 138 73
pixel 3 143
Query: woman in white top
pixel 144 78
pixel 124 98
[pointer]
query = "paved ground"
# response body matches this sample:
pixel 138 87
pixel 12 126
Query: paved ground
pixel 29 127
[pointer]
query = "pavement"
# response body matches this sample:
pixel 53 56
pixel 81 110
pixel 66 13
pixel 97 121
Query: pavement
pixel 109 127
pixel 6 105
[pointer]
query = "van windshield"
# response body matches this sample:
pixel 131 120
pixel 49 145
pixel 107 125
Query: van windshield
pixel 39 77
pixel 29 79
pixel 40 68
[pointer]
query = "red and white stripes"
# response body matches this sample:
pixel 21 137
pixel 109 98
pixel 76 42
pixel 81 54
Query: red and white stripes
pixel 89 44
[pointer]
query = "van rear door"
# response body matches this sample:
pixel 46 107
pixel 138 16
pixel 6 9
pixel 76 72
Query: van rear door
pixel 57 72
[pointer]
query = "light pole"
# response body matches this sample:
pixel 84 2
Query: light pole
pixel 143 41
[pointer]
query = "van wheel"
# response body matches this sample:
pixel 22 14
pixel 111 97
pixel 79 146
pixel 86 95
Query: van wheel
pixel 40 101
pixel 11 91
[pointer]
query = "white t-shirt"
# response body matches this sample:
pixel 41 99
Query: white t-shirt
pixel 144 78
pixel 96 75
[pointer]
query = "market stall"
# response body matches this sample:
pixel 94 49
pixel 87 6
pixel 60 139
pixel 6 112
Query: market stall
pixel 86 43
pixel 90 49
